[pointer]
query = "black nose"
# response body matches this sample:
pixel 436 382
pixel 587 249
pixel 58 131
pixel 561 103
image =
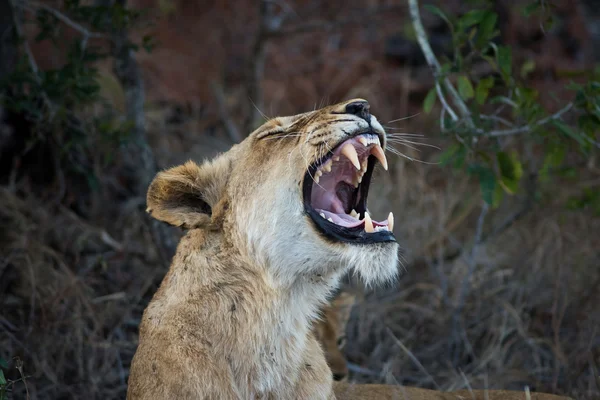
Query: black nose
pixel 360 109
pixel 338 377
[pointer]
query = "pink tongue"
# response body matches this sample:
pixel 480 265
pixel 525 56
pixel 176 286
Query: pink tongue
pixel 346 220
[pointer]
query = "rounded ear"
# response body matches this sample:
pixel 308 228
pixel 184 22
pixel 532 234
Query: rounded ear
pixel 185 195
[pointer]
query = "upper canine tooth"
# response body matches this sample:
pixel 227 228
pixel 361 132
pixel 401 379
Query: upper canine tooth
pixel 390 221
pixel 368 223
pixel 350 152
pixel 363 140
pixel 377 151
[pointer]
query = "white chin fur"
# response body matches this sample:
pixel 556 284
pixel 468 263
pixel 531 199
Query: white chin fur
pixel 376 264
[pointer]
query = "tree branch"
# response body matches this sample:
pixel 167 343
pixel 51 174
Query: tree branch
pixel 432 61
pixel 68 21
pixel 137 156
pixel 529 128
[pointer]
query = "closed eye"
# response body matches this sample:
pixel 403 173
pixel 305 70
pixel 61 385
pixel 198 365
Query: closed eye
pixel 341 342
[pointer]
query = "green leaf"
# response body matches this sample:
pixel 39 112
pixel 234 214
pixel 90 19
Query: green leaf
pixel 448 155
pixel 487 182
pixel 527 68
pixel 472 17
pixel 2 378
pixel 511 171
pixel 486 29
pixel 498 196
pixel 435 10
pixel 569 132
pixel 465 88
pixel 3 363
pixel 483 89
pixel 504 57
pixel 429 100
pixel 553 159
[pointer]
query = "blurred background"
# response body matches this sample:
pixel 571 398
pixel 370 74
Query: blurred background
pixel 494 178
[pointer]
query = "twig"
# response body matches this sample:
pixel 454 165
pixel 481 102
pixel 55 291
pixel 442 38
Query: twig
pixel 19 365
pixel 412 357
pixel 230 126
pixel 31 58
pixel 528 128
pixel 137 155
pixel 471 260
pixel 497 119
pixel 68 21
pixel 445 105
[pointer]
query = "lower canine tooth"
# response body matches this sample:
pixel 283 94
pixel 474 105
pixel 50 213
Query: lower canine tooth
pixel 390 221
pixel 368 223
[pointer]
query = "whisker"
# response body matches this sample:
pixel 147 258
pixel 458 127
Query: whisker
pixel 403 118
pixel 418 144
pixel 410 147
pixel 404 142
pixel 400 154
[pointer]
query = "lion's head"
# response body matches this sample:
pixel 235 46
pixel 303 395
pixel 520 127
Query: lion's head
pixel 292 196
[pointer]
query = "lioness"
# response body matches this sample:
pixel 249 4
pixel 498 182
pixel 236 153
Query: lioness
pixel 272 225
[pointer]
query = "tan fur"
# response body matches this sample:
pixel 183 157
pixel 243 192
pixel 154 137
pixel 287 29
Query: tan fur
pixel 231 318
pixel 330 331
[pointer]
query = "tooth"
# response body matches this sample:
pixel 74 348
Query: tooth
pixel 360 179
pixel 354 214
pixel 376 140
pixel 327 166
pixel 322 215
pixel 377 151
pixel 317 176
pixel 390 221
pixel 336 158
pixel 350 152
pixel 329 219
pixel 364 165
pixel 368 223
pixel 363 140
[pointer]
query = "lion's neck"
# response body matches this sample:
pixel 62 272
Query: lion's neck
pixel 260 322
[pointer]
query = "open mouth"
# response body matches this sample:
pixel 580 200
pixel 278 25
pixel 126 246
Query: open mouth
pixel 336 187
